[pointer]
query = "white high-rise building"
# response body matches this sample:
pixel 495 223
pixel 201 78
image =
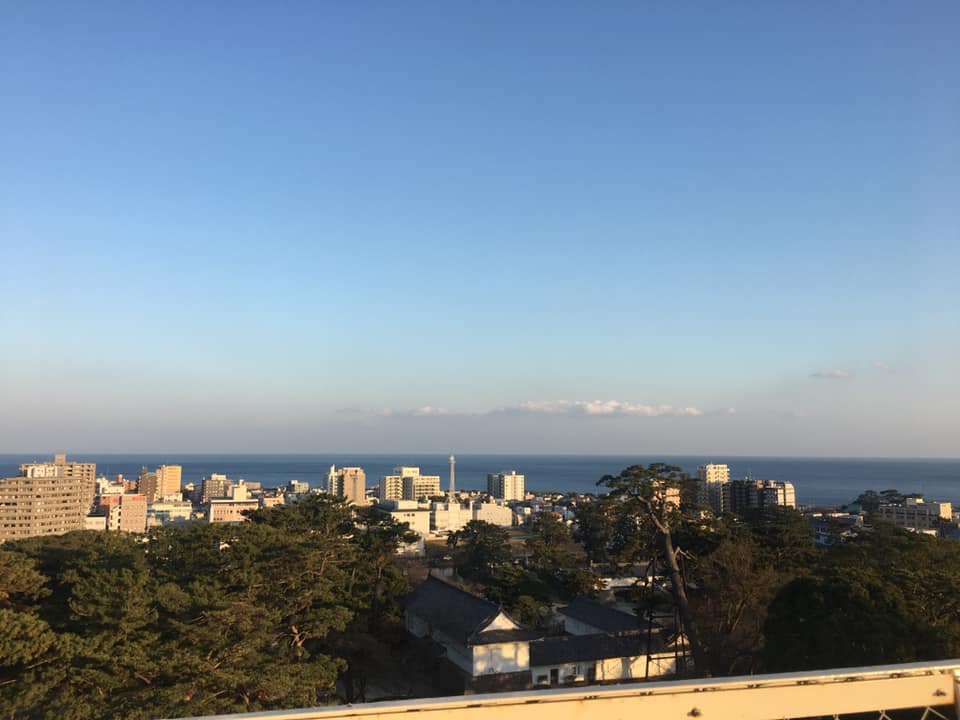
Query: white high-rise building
pixel 407 483
pixel 506 486
pixel 349 483
pixel 711 480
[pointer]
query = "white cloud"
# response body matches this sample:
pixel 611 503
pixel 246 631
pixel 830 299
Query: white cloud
pixel 597 408
pixel 833 374
pixel 587 408
pixel 430 410
pixel 883 366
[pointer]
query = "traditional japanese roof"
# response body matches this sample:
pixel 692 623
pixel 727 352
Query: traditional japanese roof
pixel 602 617
pixel 461 615
pixel 585 648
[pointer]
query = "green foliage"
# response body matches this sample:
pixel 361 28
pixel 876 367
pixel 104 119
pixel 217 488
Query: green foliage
pixel 551 545
pixel 579 581
pixel 480 547
pixel 884 598
pixel 592 530
pixel 784 537
pixel 528 611
pixel 195 620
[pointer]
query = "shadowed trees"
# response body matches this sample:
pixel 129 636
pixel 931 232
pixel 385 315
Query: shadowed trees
pixel 196 620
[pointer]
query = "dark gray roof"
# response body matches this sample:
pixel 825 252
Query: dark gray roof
pixel 584 648
pixel 498 636
pixel 458 614
pixel 602 617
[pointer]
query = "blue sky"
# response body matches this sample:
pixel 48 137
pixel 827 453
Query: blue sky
pixel 503 227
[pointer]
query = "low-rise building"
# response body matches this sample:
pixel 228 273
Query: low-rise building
pixel 492 513
pixel 915 513
pixel 583 616
pixel 448 517
pixel 410 512
pixel 169 511
pixel 479 638
pixel 569 659
pixel 232 508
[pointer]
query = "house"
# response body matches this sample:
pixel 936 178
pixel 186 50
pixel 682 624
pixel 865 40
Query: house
pixel 584 616
pixel 479 638
pixel 493 653
pixel 602 658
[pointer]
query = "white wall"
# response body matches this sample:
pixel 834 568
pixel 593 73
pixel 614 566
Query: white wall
pixel 501 658
pixel 566 672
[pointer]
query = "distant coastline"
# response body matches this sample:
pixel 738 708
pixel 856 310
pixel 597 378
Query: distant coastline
pixel 818 481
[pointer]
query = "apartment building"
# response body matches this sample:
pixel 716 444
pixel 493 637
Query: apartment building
pixel 747 494
pixel 506 485
pixel 86 473
pixel 42 502
pixel 125 513
pixel 407 483
pixel 215 485
pixel 711 481
pixel 349 483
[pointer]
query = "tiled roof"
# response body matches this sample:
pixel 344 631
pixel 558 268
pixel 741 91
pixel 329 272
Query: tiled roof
pixel 458 614
pixel 602 617
pixel 584 648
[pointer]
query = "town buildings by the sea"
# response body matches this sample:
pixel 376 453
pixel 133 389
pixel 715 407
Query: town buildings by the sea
pixel 60 495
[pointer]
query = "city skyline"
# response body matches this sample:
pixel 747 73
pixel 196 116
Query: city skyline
pixel 495 229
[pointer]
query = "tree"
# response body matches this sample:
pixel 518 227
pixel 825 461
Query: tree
pixel 642 496
pixel 551 543
pixel 592 530
pixel 481 546
pixel 885 597
pixel 734 585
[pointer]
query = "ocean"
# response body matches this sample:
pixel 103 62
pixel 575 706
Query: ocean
pixel 818 481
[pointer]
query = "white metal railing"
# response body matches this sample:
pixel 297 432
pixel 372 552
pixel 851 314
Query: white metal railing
pixel 828 693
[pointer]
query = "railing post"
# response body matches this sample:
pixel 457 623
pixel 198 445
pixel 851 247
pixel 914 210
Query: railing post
pixel 956 691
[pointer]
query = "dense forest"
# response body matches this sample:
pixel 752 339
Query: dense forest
pixel 195 620
pixel 281 611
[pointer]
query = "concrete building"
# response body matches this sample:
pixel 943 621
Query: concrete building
pixel 95 522
pixel 446 517
pixel 298 487
pixel 916 514
pixel 349 483
pixel 408 511
pixel 86 473
pixel 492 513
pixel 125 513
pixel 744 495
pixel 215 485
pixel 407 483
pixel 506 486
pixel 169 512
pixel 231 508
pixel 711 481
pixel 106 487
pixel 148 485
pixel 169 478
pixel 42 501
